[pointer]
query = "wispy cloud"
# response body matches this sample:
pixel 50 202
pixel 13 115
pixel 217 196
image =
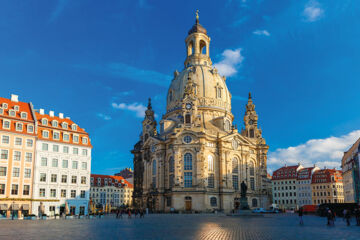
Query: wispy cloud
pixel 60 6
pixel 122 70
pixel 103 116
pixel 322 152
pixel 312 11
pixel 137 108
pixel 231 60
pixel 262 33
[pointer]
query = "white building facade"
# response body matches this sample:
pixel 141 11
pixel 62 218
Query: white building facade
pixel 304 190
pixel 62 166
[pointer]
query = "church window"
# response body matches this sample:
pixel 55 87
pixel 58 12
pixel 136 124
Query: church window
pixel 252 135
pixel 210 163
pixel 254 202
pixel 187 118
pixel 187 161
pixel 211 180
pixel 146 136
pixel 154 167
pixel 252 169
pixel 187 179
pixel 218 92
pixel 187 139
pixel 227 125
pixel 235 180
pixel 235 166
pixel 213 201
pixel 171 164
pixel 252 183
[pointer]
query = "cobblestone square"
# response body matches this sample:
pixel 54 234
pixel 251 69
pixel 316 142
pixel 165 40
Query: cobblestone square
pixel 180 227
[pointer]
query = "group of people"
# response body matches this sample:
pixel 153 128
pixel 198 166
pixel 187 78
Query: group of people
pixel 130 212
pixel 331 216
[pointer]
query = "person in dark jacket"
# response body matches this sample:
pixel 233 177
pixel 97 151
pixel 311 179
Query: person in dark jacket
pixel 347 217
pixel 301 213
pixel 357 216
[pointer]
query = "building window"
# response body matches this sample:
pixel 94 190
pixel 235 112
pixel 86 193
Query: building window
pixel 23 115
pixel 66 137
pixel 188 161
pixel 171 164
pixel 18 141
pixel 84 166
pixel 74 165
pixel 73 179
pixel 84 152
pixel 56 135
pixel 52 192
pixel 82 194
pixel 235 166
pixel 84 140
pixel 28 157
pixel 17 155
pixel 12 113
pixel 63 178
pixel 6 124
pixel 5 139
pixel 42 177
pixel 235 180
pixel 45 147
pixel 54 162
pixel 252 169
pixel 75 151
pixel 64 125
pixel 16 172
pixel 27 173
pixel 83 180
pixel 53 178
pixel 211 180
pixel 74 127
pixel 2 188
pixel 227 126
pixel 43 161
pixel 187 179
pixel 213 201
pixel 210 163
pixel 63 193
pixel 187 118
pixel 54 123
pixel 65 163
pixel 14 189
pixel 42 192
pixel 45 134
pixel 2 171
pixel 252 135
pixel 254 202
pixel 65 149
pixel 76 138
pixel 187 139
pixel 30 128
pixel 73 194
pixel 19 127
pixel 252 183
pixel 26 190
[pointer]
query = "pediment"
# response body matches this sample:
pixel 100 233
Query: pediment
pixel 241 139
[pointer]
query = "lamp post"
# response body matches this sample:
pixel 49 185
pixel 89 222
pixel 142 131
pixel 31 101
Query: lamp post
pixel 12 210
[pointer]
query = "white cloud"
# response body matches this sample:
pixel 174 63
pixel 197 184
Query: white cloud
pixel 137 108
pixel 312 11
pixel 262 32
pixel 231 59
pixel 103 116
pixel 322 152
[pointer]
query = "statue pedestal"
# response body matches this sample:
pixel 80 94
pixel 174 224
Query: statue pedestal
pixel 244 203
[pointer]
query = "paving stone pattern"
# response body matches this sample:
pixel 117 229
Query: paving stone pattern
pixel 164 226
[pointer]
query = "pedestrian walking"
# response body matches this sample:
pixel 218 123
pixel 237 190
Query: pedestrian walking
pixel 357 216
pixel 121 213
pixel 301 212
pixel 329 216
pixel 347 217
pixel 141 213
pixel 129 213
pixel 344 213
pixel 117 213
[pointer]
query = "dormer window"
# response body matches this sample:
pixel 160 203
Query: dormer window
pixel 23 115
pixel 30 128
pixel 84 140
pixel 74 127
pixel 65 125
pixel 75 138
pixel 11 113
pixel 44 121
pixel 45 134
pixel 56 135
pixel 66 137
pixel 1 111
pixel 55 123
pixel 16 108
pixel 4 105
pixel 19 127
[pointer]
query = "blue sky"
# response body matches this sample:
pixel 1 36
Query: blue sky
pixel 99 61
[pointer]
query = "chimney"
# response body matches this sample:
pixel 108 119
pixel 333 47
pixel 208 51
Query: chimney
pixel 14 98
pixel 68 118
pixel 41 111
pixel 51 113
pixel 61 115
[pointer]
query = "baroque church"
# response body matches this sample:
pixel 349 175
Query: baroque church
pixel 198 158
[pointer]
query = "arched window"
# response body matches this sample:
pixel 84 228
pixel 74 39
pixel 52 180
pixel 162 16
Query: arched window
pixel 227 125
pixel 187 161
pixel 190 48
pixel 202 47
pixel 235 166
pixel 210 163
pixel 235 171
pixel 252 135
pixel 213 201
pixel 254 202
pixel 154 167
pixel 252 168
pixel 44 121
pixel 187 118
pixel 171 164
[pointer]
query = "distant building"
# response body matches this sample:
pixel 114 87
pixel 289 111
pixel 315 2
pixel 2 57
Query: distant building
pixel 127 174
pixel 284 183
pixel 304 196
pixel 327 186
pixel 351 173
pixel 114 191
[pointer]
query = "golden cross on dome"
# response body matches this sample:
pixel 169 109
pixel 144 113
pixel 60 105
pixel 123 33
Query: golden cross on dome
pixel 197 14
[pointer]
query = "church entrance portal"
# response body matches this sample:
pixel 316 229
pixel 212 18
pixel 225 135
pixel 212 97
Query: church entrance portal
pixel 188 204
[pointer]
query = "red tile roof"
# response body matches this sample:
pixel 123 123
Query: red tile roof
pixel 304 173
pixel 325 176
pixel 110 180
pixel 286 172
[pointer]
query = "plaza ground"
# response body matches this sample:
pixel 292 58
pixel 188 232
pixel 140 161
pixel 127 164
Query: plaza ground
pixel 180 226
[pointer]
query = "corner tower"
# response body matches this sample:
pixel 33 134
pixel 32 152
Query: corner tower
pixel 251 121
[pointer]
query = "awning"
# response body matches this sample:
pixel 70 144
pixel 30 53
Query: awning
pixel 15 207
pixel 25 207
pixel 3 207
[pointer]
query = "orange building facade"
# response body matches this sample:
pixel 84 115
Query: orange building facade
pixel 327 186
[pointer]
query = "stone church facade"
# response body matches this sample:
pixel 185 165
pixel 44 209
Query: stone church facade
pixel 198 159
